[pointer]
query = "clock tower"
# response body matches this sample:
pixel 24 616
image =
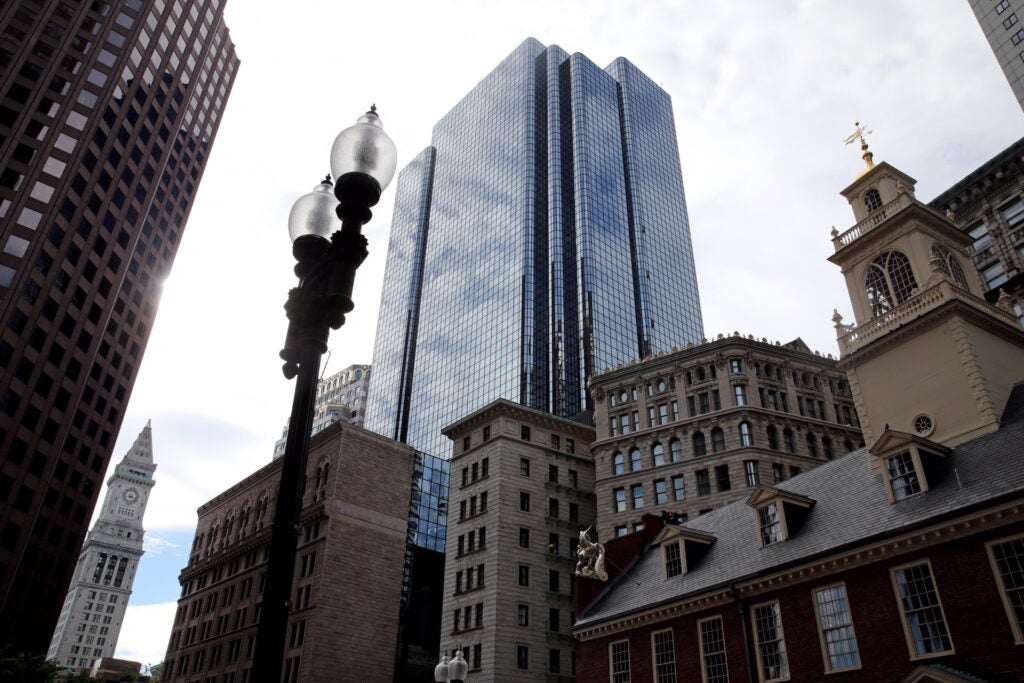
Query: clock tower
pixel 94 608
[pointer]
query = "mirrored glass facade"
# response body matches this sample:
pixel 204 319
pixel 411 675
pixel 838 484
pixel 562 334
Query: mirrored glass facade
pixel 542 237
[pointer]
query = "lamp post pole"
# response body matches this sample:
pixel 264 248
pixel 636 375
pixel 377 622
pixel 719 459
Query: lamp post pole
pixel 363 161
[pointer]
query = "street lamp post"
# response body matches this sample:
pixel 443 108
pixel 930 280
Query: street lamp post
pixel 327 250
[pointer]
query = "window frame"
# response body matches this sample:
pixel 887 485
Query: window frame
pixel 673 562
pixel 823 638
pixel 1016 627
pixel 907 632
pixel 781 639
pixel 702 644
pixel 670 675
pixel 613 675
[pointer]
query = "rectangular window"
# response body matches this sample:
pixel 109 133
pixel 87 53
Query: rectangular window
pixel 553 508
pixel 722 477
pixel 673 560
pixel 570 446
pixel 574 512
pixel 638 496
pixel 553 474
pixel 554 619
pixel 923 619
pixel 618 653
pixel 679 487
pixel 524 537
pixel 703 483
pixel 753 477
pixel 736 366
pixel 675 411
pixel 554 661
pixel 1010 21
pixel 660 492
pixel 620 500
pixel 524 432
pixel 835 626
pixel 902 476
pixel 524 501
pixel 1007 559
pixel 522 657
pixel 553 580
pixel 740 392
pixel 771 524
pixel 524 575
pixel 712 650
pixel 523 615
pixel 770 642
pixel 664 656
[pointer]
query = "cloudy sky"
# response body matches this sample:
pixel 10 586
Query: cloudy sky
pixel 764 94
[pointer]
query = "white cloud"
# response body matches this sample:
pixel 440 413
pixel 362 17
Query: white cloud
pixel 145 633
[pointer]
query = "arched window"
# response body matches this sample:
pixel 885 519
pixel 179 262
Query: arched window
pixel 717 440
pixel 658 451
pixel 787 436
pixel 675 449
pixel 773 437
pixel 826 447
pixel 889 282
pixel 949 265
pixel 618 464
pixel 746 434
pixel 812 445
pixel 872 200
pixel 634 460
pixel 699 447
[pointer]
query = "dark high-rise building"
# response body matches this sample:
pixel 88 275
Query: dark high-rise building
pixel 543 236
pixel 107 114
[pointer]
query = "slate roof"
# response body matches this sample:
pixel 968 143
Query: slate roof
pixel 851 509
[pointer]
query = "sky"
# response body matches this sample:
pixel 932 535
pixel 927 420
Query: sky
pixel 764 95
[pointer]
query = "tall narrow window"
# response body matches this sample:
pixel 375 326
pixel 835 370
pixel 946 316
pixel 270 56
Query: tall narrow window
pixel 658 454
pixel 618 463
pixel 923 619
pixel 634 460
pixel 770 523
pixel 740 392
pixel 619 654
pixel 771 642
pixel 750 467
pixel 675 449
pixel 872 200
pixel 712 651
pixel 703 483
pixel 620 500
pixel 949 265
pixel 673 560
pixel 679 487
pixel 664 656
pixel 835 626
pixel 717 439
pixel 699 447
pixel 902 476
pixel 1008 564
pixel 746 434
pixel 660 492
pixel 638 496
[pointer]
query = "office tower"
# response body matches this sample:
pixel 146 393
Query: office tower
pixel 988 205
pixel 107 114
pixel 353 600
pixel 697 428
pixel 523 492
pixel 542 236
pixel 339 398
pixel 1001 22
pixel 94 607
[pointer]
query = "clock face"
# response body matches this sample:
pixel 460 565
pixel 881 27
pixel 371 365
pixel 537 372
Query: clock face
pixel 130 496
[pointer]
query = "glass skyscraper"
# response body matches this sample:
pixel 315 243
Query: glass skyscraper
pixel 542 237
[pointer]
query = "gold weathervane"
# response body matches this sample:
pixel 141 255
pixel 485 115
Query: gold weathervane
pixel 858 134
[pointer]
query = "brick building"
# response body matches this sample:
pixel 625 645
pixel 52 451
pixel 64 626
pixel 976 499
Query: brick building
pixel 694 429
pixel 898 562
pixel 348 573
pixel 522 483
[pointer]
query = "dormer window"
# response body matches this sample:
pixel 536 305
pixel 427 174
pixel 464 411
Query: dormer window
pixel 902 476
pixel 872 200
pixel 673 560
pixel 778 514
pixel 771 524
pixel 682 548
pixel 908 463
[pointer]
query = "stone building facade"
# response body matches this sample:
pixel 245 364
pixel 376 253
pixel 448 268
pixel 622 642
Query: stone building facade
pixel 694 429
pixel 988 205
pixel 522 483
pixel 348 571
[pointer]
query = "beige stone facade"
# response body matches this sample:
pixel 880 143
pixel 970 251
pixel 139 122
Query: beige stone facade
pixel 692 430
pixel 348 571
pixel 922 327
pixel 521 491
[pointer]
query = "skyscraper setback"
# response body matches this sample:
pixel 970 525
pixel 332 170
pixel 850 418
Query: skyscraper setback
pixel 543 236
pixel 107 114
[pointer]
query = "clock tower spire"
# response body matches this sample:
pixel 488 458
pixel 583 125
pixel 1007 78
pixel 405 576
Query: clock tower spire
pixel 94 608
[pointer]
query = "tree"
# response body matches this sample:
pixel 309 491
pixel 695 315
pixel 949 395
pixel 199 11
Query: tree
pixel 23 668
